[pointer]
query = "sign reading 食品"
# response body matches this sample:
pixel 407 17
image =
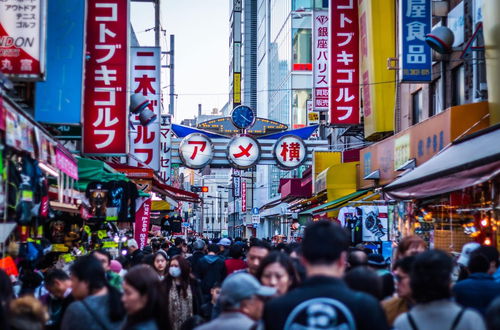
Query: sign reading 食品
pixel 416 56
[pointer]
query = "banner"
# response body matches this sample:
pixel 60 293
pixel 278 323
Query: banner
pixel 320 61
pixel 105 105
pixel 243 197
pixel 165 147
pixel 145 79
pixel 416 56
pixel 142 217
pixel 58 100
pixel 22 38
pixel 344 74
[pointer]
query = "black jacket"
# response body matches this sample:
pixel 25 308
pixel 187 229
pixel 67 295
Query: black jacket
pixel 193 260
pixel 324 302
pixel 135 258
pixel 211 269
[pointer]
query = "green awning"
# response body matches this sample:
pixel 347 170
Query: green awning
pixel 335 202
pixel 95 170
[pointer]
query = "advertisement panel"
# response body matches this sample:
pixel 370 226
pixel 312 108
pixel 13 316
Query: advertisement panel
pixel 22 38
pixel 344 73
pixel 58 100
pixel 105 104
pixel 320 61
pixel 244 197
pixel 142 219
pixel 145 79
pixel 416 57
pixel 165 147
pixel 236 183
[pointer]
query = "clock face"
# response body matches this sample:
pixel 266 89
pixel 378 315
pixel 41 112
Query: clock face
pixel 242 117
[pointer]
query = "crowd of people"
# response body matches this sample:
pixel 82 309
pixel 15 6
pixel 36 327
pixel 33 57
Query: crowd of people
pixel 321 283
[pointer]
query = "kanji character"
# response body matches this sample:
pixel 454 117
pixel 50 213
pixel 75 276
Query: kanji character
pixel 195 151
pixel 323 32
pixel 416 54
pixel 104 116
pixel 114 12
pixel 415 8
pixel 142 135
pixel 105 75
pixel 6 64
pixel 244 151
pixel 26 65
pixel 145 85
pixel 348 39
pixel 322 43
pixel 110 137
pixel 284 151
pixel 416 30
pixel 294 151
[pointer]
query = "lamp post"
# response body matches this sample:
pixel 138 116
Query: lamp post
pixel 220 211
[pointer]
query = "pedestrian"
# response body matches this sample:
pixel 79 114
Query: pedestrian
pixel 493 315
pixel 410 246
pixel 323 300
pixel 98 305
pixel 256 253
pixel 143 300
pixel 27 313
pixel 134 255
pixel 480 288
pixel 160 263
pixel 182 292
pixel 224 245
pixel 211 269
pixel 176 249
pixel 242 301
pixel 463 260
pixel 6 296
pixel 211 309
pixel 380 265
pixel 403 300
pixel 430 281
pixel 235 262
pixel 105 258
pixel 58 283
pixel 364 279
pixel 356 257
pixel 277 271
pixel 199 248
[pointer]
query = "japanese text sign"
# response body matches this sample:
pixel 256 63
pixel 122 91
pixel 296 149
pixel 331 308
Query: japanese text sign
pixel 416 56
pixel 344 73
pixel 243 152
pixel 236 182
pixel 196 151
pixel 290 151
pixel 105 105
pixel 66 164
pixel 142 219
pixel 165 147
pixel 145 79
pixel 320 61
pixel 243 196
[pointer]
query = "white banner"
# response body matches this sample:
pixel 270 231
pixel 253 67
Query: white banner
pixel 145 79
pixel 320 61
pixel 165 147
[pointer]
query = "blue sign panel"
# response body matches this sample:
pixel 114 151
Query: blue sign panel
pixel 59 99
pixel 416 56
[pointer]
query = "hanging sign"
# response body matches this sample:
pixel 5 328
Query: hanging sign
pixel 105 107
pixel 165 147
pixel 243 197
pixel 142 218
pixel 321 60
pixel 196 151
pixel 290 151
pixel 243 152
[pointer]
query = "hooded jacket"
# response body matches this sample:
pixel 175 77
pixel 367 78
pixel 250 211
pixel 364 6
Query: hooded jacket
pixel 211 269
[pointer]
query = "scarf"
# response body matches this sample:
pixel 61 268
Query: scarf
pixel 180 308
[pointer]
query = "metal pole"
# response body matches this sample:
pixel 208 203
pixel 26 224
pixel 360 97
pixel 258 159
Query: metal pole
pixel 220 215
pixel 157 23
pixel 172 70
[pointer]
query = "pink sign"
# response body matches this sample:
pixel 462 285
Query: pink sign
pixel 243 197
pixel 141 227
pixel 320 61
pixel 66 164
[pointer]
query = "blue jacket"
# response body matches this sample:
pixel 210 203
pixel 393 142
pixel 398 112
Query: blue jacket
pixel 477 291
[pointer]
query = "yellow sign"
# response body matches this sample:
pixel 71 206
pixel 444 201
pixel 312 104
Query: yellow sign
pixel 237 88
pixel 401 150
pixel 313 116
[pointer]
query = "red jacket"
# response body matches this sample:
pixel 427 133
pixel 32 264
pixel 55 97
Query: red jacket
pixel 233 265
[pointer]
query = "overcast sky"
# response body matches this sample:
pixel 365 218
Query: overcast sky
pixel 201 29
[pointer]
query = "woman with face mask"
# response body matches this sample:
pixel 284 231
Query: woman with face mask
pixel 160 263
pixel 182 292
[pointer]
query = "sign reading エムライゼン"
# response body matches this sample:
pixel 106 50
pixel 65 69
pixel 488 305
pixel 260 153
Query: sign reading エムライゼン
pixel 22 38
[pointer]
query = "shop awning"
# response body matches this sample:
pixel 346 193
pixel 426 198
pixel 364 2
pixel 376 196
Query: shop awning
pixel 365 198
pixel 95 170
pixel 332 204
pixel 467 162
pixel 176 193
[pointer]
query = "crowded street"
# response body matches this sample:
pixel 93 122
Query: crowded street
pixel 249 165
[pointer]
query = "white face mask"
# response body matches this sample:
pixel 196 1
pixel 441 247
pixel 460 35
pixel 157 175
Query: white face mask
pixel 174 271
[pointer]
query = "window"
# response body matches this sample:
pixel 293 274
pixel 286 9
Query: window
pixel 416 107
pixel 457 76
pixel 302 58
pixel 436 98
pixel 301 4
pixel 299 107
pixel 480 85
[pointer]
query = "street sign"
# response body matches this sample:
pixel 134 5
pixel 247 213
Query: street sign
pixel 185 224
pixel 255 211
pixel 255 219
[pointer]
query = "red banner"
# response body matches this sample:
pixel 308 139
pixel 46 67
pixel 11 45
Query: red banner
pixel 141 226
pixel 344 50
pixel 105 105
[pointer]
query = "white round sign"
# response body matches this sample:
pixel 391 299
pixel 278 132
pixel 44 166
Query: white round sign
pixel 290 151
pixel 243 151
pixel 196 150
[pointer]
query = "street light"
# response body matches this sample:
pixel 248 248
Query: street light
pixel 220 211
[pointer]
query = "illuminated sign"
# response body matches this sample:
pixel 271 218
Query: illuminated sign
pixel 224 126
pixel 290 151
pixel 196 151
pixel 243 151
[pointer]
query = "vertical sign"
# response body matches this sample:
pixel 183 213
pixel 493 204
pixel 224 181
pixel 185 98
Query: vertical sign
pixel 22 38
pixel 312 116
pixel 243 197
pixel 165 147
pixel 344 74
pixel 236 183
pixel 145 80
pixel 416 56
pixel 320 61
pixel 142 218
pixel 105 105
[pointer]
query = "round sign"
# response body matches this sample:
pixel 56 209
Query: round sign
pixel 242 117
pixel 290 151
pixel 196 150
pixel 243 151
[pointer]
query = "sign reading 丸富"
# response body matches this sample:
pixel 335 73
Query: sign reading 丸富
pixel 416 56
pixel 344 73
pixel 196 150
pixel 290 151
pixel 105 98
pixel 320 61
pixel 22 38
pixel 145 140
pixel 243 151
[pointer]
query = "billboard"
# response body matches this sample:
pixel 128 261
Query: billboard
pixel 344 71
pixel 58 100
pixel 416 56
pixel 22 38
pixel 105 104
pixel 145 79
pixel 320 61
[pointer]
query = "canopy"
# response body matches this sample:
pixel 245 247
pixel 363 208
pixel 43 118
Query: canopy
pixel 467 162
pixel 332 204
pixel 95 170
